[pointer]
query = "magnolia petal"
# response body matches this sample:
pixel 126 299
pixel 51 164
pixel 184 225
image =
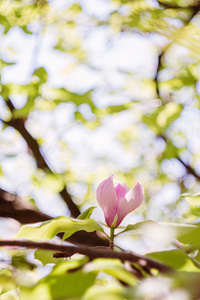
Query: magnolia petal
pixel 122 184
pixel 125 186
pixel 107 199
pixel 120 192
pixel 132 200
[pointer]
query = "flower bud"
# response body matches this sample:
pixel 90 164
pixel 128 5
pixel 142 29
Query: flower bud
pixel 117 200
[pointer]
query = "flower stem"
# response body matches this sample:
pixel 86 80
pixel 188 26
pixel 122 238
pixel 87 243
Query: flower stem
pixel 112 229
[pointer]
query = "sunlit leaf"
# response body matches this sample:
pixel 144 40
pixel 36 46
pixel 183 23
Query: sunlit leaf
pixel 62 95
pixel 106 292
pixel 170 151
pixel 20 261
pixel 193 199
pixel 4 21
pixel 138 225
pixel 24 111
pixel 177 259
pixel 169 113
pixel 67 280
pixel 42 74
pixel 48 229
pixel 168 230
pixel 160 119
pixel 24 28
pixel 3 63
pixel 46 257
pixel 86 214
pixel 7 281
pixel 113 267
pixel 192 237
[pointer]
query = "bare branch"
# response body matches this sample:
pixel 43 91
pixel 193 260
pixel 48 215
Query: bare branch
pixel 19 125
pixel 12 206
pixel 157 73
pixel 92 253
pixel 189 169
pixel 70 203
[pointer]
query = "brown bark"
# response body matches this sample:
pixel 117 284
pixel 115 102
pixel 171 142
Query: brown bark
pixel 12 206
pixel 93 252
pixel 19 125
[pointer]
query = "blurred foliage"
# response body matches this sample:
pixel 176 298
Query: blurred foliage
pixel 94 105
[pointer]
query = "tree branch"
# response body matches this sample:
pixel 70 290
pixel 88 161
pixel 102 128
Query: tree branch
pixel 70 203
pixel 189 169
pixel 19 125
pixel 12 206
pixel 195 9
pixel 157 73
pixel 92 253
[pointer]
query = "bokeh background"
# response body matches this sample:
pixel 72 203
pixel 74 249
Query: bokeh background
pixel 91 88
pixel 94 88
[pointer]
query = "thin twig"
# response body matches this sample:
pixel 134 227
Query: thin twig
pixel 189 169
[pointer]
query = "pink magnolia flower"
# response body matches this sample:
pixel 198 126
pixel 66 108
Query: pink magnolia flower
pixel 117 200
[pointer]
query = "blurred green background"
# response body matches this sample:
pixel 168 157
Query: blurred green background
pixel 94 88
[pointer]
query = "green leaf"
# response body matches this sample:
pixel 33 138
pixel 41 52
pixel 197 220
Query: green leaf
pixel 4 21
pixel 192 237
pixel 170 151
pixel 46 257
pixel 1 171
pixel 7 281
pixel 66 281
pixel 162 117
pixel 138 225
pixel 193 199
pixel 176 259
pixel 170 113
pixel 185 78
pixel 24 28
pixel 31 90
pixel 176 3
pixel 112 267
pixel 118 108
pixel 25 110
pixel 175 230
pixel 48 229
pixel 3 63
pixel 197 257
pixel 42 74
pixel 75 8
pixel 195 211
pixel 86 214
pixel 108 292
pixel 78 116
pixel 62 95
pixel 20 261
